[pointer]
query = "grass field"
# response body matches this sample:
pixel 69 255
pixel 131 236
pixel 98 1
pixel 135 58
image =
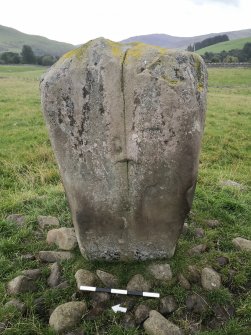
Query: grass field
pixel 228 45
pixel 30 185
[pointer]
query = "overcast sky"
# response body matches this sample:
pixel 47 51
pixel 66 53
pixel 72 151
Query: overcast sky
pixel 77 21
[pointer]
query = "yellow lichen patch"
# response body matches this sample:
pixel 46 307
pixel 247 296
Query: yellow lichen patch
pixel 198 64
pixel 200 87
pixel 137 50
pixel 78 52
pixel 116 48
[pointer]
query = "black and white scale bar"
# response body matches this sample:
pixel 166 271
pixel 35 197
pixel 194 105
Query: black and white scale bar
pixel 124 292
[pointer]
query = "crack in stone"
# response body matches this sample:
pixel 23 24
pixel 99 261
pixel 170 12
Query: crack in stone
pixel 126 160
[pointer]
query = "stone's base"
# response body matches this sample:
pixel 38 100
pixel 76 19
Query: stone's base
pixel 126 122
pixel 94 247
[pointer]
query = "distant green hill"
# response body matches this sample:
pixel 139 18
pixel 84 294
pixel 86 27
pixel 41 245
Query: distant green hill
pixel 228 45
pixel 13 40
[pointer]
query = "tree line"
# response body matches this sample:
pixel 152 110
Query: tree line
pixel 208 41
pixel 26 56
pixel 233 56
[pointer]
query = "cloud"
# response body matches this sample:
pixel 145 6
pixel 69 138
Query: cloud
pixel 226 2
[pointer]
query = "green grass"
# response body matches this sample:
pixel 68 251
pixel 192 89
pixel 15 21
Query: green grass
pixel 13 40
pixel 227 46
pixel 30 185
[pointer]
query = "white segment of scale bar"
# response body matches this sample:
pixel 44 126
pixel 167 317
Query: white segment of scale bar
pixel 113 290
pixel 151 294
pixel 87 288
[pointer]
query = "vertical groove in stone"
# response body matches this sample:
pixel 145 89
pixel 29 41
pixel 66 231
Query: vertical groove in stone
pixel 124 117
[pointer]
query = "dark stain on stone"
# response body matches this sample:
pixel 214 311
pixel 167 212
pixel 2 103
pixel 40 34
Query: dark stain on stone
pixel 178 74
pixel 60 116
pixel 136 100
pixel 101 88
pixel 85 92
pixel 86 111
pixel 69 109
pixel 101 109
pixel 154 129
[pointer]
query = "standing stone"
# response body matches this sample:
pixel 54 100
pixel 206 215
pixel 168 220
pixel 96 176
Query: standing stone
pixel 125 122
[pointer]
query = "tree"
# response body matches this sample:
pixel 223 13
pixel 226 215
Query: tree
pixel 48 60
pixel 27 55
pixel 10 57
pixel 231 59
pixel 247 51
pixel 208 41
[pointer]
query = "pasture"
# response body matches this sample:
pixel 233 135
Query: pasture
pixel 30 185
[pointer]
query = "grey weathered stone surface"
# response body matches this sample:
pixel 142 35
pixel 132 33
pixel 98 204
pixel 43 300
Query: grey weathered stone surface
pixel 16 218
pixel 108 279
pixel 141 314
pixel 85 278
pixel 231 183
pixel 242 243
pixel 63 285
pixel 47 221
pixel 210 279
pixel 196 304
pixel 19 305
pixel 161 271
pixel 168 305
pixel 212 223
pixel 138 283
pixel 67 316
pixel 193 274
pixel 184 282
pixel 54 256
pixel 64 238
pixel 99 299
pixel 157 324
pixel 199 232
pixel 32 273
pixel 55 275
pixel 197 249
pixel 126 122
pixel 21 284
